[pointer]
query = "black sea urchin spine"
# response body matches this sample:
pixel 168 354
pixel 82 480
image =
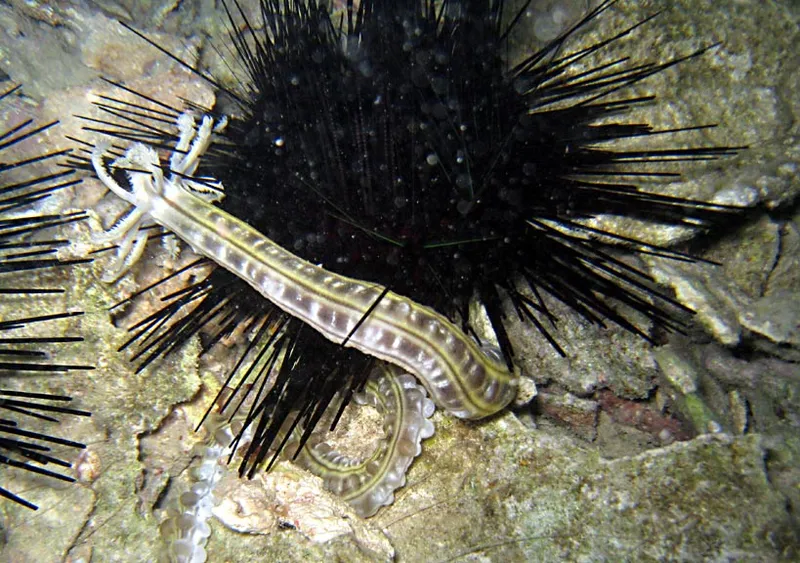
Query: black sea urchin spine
pixel 402 145
pixel 25 246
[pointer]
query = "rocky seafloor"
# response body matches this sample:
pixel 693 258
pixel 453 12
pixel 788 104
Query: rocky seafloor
pixel 685 451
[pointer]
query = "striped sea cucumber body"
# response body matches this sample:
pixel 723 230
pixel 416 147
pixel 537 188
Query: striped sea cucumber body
pixel 458 374
pixel 369 482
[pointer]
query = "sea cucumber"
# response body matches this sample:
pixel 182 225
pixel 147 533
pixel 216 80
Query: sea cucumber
pixel 368 484
pixel 185 530
pixel 462 378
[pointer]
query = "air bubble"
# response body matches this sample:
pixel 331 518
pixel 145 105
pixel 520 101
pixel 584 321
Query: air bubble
pixel 365 68
pixel 529 169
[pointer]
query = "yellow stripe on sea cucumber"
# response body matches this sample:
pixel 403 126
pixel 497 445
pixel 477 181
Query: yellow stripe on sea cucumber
pixel 369 483
pixel 460 377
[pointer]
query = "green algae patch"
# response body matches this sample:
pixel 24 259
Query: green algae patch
pixel 697 411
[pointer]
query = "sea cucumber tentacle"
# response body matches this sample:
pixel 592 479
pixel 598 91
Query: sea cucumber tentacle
pixel 459 376
pixel 369 483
